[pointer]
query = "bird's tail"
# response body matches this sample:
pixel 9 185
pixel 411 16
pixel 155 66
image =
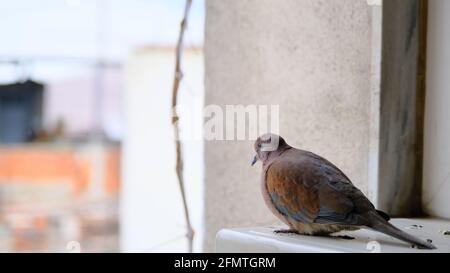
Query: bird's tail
pixel 383 226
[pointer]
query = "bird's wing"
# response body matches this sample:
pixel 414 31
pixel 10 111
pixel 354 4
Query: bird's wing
pixel 309 189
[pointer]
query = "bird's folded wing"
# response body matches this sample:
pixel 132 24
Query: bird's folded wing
pixel 313 193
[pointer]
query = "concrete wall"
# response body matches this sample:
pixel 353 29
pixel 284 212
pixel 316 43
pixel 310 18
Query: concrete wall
pixel 310 57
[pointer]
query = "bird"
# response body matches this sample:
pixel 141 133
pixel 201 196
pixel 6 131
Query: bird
pixel 314 197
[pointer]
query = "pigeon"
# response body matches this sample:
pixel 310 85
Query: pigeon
pixel 313 197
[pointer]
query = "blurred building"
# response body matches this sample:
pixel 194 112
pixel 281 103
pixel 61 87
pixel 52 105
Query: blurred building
pixel 51 194
pixel 60 162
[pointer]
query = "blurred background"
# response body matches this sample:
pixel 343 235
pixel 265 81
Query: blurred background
pixel 65 69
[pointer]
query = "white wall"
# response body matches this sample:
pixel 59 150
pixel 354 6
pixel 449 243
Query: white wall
pixel 436 173
pixel 152 216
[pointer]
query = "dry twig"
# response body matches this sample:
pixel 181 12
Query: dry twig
pixel 179 155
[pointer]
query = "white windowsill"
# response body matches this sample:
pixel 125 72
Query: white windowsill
pixel 262 239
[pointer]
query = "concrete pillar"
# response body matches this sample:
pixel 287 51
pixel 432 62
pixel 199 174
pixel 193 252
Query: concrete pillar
pixel 401 108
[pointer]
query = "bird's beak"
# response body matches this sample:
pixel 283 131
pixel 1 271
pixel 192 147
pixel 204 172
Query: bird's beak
pixel 255 159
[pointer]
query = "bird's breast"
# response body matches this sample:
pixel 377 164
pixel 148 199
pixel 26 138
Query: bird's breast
pixel 268 200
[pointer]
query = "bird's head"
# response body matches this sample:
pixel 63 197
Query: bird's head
pixel 266 145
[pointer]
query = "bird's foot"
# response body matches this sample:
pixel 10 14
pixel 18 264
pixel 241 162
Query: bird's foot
pixel 336 236
pixel 345 237
pixel 286 231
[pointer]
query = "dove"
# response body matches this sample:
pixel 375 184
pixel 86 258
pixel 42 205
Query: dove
pixel 314 197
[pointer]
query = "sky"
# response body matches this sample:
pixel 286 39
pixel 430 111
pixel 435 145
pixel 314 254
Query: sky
pixel 47 30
